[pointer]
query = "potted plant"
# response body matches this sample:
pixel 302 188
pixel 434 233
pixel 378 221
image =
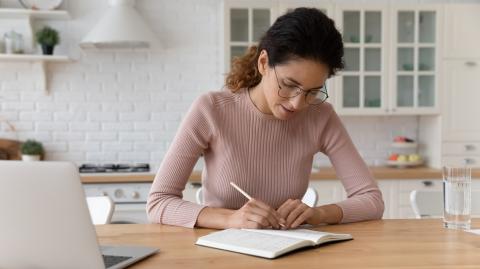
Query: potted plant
pixel 47 37
pixel 31 150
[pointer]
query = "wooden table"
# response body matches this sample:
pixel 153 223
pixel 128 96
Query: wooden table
pixel 377 244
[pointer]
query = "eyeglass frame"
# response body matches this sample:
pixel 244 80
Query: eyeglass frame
pixel 302 91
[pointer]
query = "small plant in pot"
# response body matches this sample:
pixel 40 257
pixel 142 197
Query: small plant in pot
pixel 31 150
pixel 47 37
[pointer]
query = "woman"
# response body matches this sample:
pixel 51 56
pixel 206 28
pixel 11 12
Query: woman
pixel 262 134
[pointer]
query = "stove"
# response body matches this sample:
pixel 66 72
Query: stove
pixel 114 168
pixel 130 199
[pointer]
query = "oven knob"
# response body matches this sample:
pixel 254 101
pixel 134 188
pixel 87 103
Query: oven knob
pixel 104 193
pixel 118 193
pixel 135 195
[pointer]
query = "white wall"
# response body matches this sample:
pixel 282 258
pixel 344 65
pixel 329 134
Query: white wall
pixel 125 106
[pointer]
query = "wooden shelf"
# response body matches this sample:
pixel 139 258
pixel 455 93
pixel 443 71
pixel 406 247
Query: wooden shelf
pixel 26 18
pixel 38 61
pixel 18 13
pixel 33 58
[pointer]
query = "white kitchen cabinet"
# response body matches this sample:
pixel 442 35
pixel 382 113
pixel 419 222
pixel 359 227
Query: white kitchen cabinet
pixel 285 6
pixel 461 125
pixel 461 153
pixel 405 187
pixel 329 191
pixel 415 51
pixel 391 57
pixel 332 191
pixel 244 24
pixel 362 84
pixel 391 52
pixel 462 31
pixel 462 92
pixel 460 109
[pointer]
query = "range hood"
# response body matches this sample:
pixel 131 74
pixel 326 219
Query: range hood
pixel 121 27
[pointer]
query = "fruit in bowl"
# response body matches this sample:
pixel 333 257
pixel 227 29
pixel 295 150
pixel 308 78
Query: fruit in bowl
pixel 414 158
pixel 393 157
pixel 402 158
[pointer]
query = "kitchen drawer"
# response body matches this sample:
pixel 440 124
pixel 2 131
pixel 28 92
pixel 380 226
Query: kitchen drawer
pixel 456 148
pixel 420 184
pixel 470 161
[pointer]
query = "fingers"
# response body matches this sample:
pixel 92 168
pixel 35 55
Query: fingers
pixel 302 218
pixel 267 212
pixel 285 209
pixel 295 213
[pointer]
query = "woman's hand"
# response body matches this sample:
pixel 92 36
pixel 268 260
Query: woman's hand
pixel 296 213
pixel 255 215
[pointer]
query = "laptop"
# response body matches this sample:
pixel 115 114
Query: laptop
pixel 45 222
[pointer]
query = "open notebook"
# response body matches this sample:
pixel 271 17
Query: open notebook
pixel 267 243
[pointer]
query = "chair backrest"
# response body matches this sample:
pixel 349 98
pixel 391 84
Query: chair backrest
pixel 101 209
pixel 310 198
pixel 429 203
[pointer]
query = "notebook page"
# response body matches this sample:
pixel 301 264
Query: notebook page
pixel 265 245
pixel 304 234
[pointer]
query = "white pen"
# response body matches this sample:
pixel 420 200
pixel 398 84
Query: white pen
pixel 245 194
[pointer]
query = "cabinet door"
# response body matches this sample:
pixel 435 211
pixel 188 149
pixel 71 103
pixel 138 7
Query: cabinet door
pixel 245 22
pixel 462 31
pixel 461 101
pixel 406 186
pixel 329 191
pixel 415 69
pixel 362 83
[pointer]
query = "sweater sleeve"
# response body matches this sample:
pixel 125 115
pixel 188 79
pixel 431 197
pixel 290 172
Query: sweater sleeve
pixel 165 204
pixel 364 200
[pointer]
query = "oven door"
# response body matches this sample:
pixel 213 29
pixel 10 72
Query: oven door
pixel 130 213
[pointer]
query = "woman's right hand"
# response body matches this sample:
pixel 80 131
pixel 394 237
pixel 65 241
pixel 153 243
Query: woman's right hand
pixel 255 214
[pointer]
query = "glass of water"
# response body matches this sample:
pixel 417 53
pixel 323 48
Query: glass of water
pixel 457 192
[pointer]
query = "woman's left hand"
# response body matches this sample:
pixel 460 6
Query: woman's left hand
pixel 295 213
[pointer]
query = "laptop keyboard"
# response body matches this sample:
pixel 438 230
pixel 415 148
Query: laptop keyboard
pixel 113 260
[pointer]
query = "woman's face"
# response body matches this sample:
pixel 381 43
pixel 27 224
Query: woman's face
pixel 305 74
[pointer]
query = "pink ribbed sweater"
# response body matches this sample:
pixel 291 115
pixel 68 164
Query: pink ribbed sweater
pixel 270 159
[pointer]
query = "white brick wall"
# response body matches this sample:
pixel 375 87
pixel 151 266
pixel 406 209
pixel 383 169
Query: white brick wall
pixel 125 106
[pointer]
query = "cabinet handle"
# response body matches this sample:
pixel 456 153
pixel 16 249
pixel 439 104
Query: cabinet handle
pixel 469 161
pixel 469 147
pixel 427 183
pixel 470 63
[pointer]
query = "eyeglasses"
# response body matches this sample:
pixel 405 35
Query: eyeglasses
pixel 312 97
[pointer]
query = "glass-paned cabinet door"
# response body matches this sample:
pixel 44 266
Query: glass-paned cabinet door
pixel 415 48
pixel 244 25
pixel 362 82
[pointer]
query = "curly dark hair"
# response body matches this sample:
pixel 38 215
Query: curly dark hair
pixel 305 33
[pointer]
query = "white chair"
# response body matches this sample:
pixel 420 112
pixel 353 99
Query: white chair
pixel 429 203
pixel 310 198
pixel 101 209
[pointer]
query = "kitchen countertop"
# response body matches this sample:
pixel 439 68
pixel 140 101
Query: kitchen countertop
pixel 380 173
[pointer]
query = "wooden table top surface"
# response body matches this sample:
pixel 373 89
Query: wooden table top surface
pixel 377 244
pixel 379 173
